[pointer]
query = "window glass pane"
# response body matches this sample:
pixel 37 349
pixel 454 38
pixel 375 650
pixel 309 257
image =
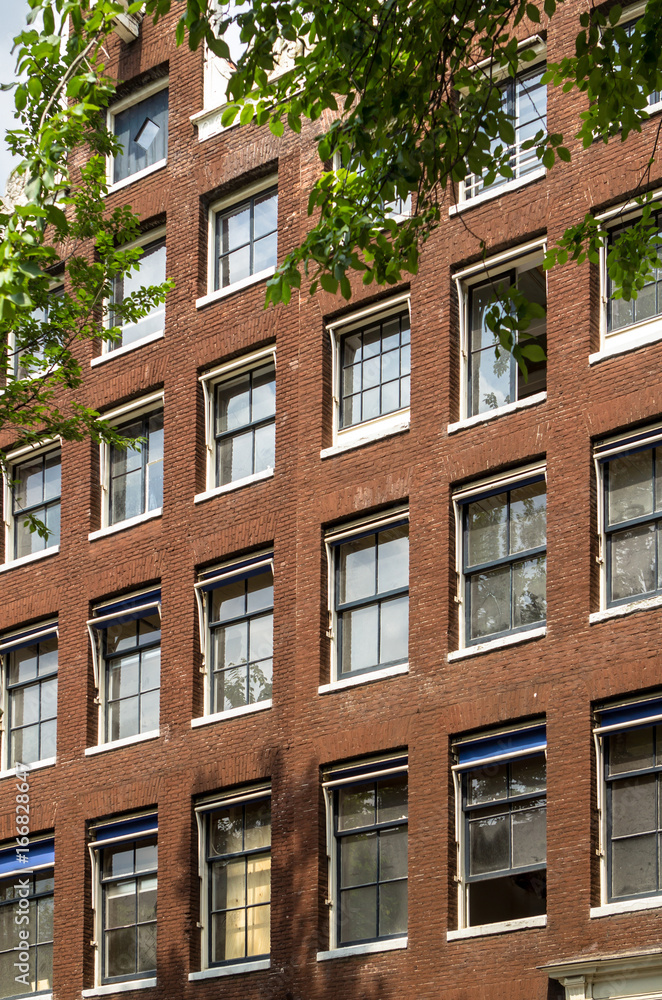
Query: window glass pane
pixel 258 880
pixel 265 447
pixel 228 601
pixel 483 298
pixel 266 214
pixel 529 835
pixel 23 664
pixel 258 825
pixel 151 271
pixel 356 806
pixel 120 637
pixel 357 569
pixel 393 559
pixel 233 404
pixel 52 521
pixel 487 784
pixel 25 745
pixel 358 858
pixel 633 562
pixel 261 638
pixel 392 799
pixel 226 830
pixel 149 712
pixel 630 750
pixel 360 638
pixel 634 866
pixel 264 393
pixel 25 705
pixel 265 253
pixel 634 806
pixel 527 775
pixel 258 931
pixel 142 131
pixel 118 861
pixel 52 476
pixel 146 949
pixel 260 592
pixel 630 487
pixel 235 228
pixel 393 854
pixel 394 630
pixel 231 689
pixel 529 592
pixel 528 517
pixel 511 898
pixel 235 458
pixel 487 529
pixel 229 884
pixel 358 914
pixel 489 843
pixel 393 909
pixel 235 267
pixel 120 957
pixel 120 904
pixel 490 602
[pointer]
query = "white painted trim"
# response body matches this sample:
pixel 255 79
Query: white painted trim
pixel 367 678
pixel 648 604
pixel 502 411
pixel 134 408
pixel 125 742
pixel 520 256
pixel 236 286
pixel 370 430
pixel 507 480
pixel 231 713
pixel 236 485
pixel 500 643
pixel 138 176
pixel 135 984
pixel 491 193
pixel 120 351
pixel 382 308
pixel 626 906
pixel 502 927
pixel 243 194
pixel 244 363
pixel 122 525
pixel 628 339
pixel 37 766
pixel 369 948
pixel 230 970
pixel 33 557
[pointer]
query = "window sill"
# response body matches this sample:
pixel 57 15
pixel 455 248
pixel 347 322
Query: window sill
pixel 502 927
pixel 502 411
pixel 128 741
pixel 626 906
pixel 230 970
pixel 367 678
pixel 503 642
pixel 123 525
pixel 647 604
pixel 231 713
pixel 371 430
pixel 209 122
pixel 629 339
pixel 120 351
pixel 236 286
pixel 513 185
pixel 369 948
pixel 236 485
pixel 138 176
pixel 37 766
pixel 33 557
pixel 134 984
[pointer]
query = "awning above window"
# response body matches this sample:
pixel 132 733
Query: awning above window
pixel 134 826
pixel 40 854
pixel 28 638
pixel 127 610
pixel 504 745
pixel 635 715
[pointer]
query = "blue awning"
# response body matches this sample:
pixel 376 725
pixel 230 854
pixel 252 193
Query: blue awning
pixel 39 854
pixel 126 610
pixel 629 715
pixel 222 575
pixel 515 743
pixel 21 640
pixel 136 826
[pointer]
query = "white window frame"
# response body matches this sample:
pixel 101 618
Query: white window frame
pixel 203 807
pixel 507 481
pixel 209 381
pixel 16 458
pixel 236 198
pixel 224 573
pixel 134 98
pixel 519 259
pixel 385 425
pixel 347 531
pixel 120 415
pixel 96 636
pixel 37 634
pixel 56 286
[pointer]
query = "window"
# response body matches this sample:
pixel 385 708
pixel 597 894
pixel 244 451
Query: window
pixel 30 360
pixel 26 877
pixel 151 271
pixel 629 743
pixel 500 794
pixel 32 493
pixel 132 476
pixel 235 874
pixel 398 209
pixel 244 237
pixel 367 811
pixel 643 312
pixel 490 382
pixel 30 703
pixel 140 125
pixel 524 100
pixel 124 864
pixel 503 556
pixel 126 650
pixel 240 406
pixel 369 588
pixel 235 608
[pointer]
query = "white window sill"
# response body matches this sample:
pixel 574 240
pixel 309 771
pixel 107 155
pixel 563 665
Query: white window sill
pixel 118 352
pixel 370 948
pixel 230 970
pixel 33 557
pixel 128 741
pixel 367 678
pixel 502 927
pixel 482 418
pixel 648 604
pixel 134 984
pixel 501 643
pixel 138 176
pixel 37 766
pixel 371 430
pixel 123 525
pixel 513 185
pixel 236 286
pixel 236 485
pixel 232 713
pixel 626 906
pixel 209 122
pixel 629 339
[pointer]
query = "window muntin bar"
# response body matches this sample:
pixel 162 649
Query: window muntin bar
pixel 245 424
pixel 375 369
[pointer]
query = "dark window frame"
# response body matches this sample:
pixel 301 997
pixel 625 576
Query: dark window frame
pixel 109 658
pixel 144 419
pixel 35 682
pixel 402 380
pixel 219 437
pixel 135 877
pixel 226 212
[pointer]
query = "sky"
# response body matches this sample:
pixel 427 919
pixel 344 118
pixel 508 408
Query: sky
pixel 13 18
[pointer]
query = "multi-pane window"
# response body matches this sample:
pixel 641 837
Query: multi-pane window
pixel 524 99
pixel 501 789
pixel 374 369
pixel 31 884
pixel 30 665
pixel 495 381
pixel 504 559
pixel 370 596
pixel 245 424
pixel 29 359
pixel 126 644
pixel 135 473
pixel 368 852
pixel 141 128
pixel 648 303
pixel 151 271
pixel 246 239
pixel 35 496
pixel 236 606
pixel 236 879
pixel 126 875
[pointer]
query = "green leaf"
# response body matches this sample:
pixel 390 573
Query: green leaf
pixel 533 13
pixel 329 283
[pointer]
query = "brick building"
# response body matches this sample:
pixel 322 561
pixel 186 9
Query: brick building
pixel 353 793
